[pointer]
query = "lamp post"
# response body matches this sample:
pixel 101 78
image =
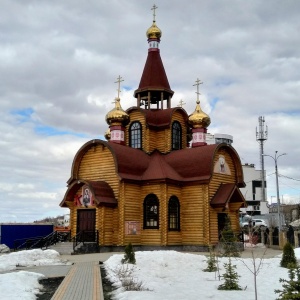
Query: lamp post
pixel 275 158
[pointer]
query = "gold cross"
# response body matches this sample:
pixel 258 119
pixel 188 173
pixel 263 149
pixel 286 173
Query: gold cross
pixel 181 103
pixel 119 80
pixel 198 82
pixel 154 8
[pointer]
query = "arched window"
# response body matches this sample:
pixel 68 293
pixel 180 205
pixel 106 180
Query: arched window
pixel 176 136
pixel 151 212
pixel 174 214
pixel 135 134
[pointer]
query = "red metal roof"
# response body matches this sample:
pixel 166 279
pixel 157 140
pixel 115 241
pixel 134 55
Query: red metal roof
pixel 189 164
pixel 182 166
pixel 159 118
pixel 101 190
pixel 103 193
pixel 154 74
pixel 225 194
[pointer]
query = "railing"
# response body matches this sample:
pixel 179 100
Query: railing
pixel 41 241
pixel 85 236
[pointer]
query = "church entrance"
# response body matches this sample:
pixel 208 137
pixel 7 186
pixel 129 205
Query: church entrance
pixel 222 217
pixel 86 223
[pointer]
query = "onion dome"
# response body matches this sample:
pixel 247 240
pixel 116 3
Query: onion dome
pixel 107 134
pixel 117 115
pixel 199 119
pixel 153 32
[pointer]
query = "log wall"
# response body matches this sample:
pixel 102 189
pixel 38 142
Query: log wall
pixel 216 181
pixel 98 164
pixel 192 215
pixel 160 139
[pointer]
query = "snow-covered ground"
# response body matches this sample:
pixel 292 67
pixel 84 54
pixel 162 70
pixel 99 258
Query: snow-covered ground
pixel 172 275
pixel 166 275
pixel 24 285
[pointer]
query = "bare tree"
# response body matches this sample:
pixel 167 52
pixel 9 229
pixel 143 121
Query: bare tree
pixel 255 266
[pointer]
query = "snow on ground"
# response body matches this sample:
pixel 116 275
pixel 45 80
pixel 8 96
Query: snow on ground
pixel 24 285
pixel 28 258
pixel 172 275
pixel 166 275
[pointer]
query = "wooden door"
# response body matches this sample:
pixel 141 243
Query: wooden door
pixel 86 222
pixel 221 222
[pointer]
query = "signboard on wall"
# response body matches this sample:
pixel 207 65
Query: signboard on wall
pixel 132 227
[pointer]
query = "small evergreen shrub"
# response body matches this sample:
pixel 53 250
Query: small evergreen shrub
pixel 129 256
pixel 288 257
pixel 211 262
pixel 291 288
pixel 231 278
pixel 228 241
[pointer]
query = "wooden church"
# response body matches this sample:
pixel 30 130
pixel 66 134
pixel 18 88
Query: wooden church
pixel 154 182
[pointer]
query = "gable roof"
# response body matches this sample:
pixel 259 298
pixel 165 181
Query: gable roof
pixel 101 191
pixel 227 193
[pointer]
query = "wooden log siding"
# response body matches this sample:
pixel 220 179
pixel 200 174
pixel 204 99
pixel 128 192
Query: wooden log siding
pixel 108 226
pixel 133 210
pixel 177 116
pixel 173 237
pixel 219 178
pixel 121 210
pixel 192 215
pixel 216 181
pixel 98 164
pixel 151 236
pixel 214 231
pixel 73 220
pixel 157 139
pixel 136 116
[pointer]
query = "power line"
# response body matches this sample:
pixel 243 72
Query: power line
pixel 289 177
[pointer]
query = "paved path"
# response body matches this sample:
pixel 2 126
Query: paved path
pixel 83 282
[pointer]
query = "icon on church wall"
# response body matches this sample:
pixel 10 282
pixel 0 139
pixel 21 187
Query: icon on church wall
pixel 221 166
pixel 132 228
pixel 87 197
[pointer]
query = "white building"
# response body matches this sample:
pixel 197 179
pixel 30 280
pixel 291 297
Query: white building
pixel 219 138
pixel 252 192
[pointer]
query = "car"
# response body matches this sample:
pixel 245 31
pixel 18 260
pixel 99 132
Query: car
pixel 255 223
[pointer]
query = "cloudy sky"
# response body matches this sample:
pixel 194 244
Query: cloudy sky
pixel 59 61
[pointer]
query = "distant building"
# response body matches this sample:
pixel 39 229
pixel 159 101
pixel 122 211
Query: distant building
pixel 219 138
pixel 252 192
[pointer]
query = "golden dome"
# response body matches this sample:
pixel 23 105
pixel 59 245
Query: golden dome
pixel 117 115
pixel 107 134
pixel 153 32
pixel 199 119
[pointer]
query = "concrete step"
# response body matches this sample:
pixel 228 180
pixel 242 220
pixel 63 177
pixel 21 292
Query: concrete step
pixel 63 247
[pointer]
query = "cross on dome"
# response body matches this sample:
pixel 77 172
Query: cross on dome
pixel 119 80
pixel 198 82
pixel 181 103
pixel 154 8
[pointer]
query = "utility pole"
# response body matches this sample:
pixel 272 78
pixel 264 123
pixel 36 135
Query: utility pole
pixel 261 137
pixel 275 158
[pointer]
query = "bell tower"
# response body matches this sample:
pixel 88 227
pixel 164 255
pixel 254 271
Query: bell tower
pixel 154 89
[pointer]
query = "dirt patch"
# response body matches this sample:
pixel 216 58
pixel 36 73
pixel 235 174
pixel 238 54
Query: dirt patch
pixel 50 285
pixel 106 285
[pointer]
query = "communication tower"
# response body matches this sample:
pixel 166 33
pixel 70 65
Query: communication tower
pixel 261 137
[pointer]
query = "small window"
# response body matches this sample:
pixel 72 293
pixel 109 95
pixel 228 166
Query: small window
pixel 135 135
pixel 176 136
pixel 174 214
pixel 151 212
